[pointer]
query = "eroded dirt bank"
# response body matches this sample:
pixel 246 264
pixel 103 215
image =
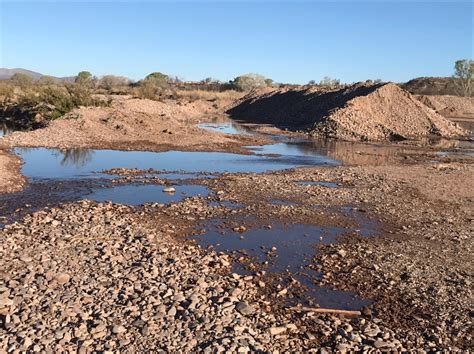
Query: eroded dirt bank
pixel 135 124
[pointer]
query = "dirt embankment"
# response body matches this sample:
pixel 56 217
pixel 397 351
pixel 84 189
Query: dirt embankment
pixel 133 124
pixel 456 108
pixel 431 86
pixel 11 179
pixel 359 112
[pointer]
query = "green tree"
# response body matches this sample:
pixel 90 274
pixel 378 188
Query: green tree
pixel 463 74
pixel 160 79
pixel 85 79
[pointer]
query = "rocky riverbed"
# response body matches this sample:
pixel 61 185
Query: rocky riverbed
pixel 394 231
pixel 104 277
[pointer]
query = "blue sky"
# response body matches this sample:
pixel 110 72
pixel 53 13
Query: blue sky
pixel 287 41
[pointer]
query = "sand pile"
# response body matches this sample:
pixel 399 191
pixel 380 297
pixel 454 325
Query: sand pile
pixel 358 112
pixel 449 106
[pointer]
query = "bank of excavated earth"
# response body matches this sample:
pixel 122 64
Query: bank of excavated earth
pixel 364 112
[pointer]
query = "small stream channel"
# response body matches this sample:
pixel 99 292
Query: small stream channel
pixel 57 176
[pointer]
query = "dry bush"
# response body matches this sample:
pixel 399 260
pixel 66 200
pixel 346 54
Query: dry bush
pixel 112 82
pixel 250 82
pixel 6 92
pixel 52 102
pixel 194 95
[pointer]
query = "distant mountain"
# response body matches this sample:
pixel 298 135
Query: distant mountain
pixel 6 74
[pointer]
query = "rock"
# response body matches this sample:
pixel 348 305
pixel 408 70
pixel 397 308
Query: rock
pixel 240 229
pixel 366 311
pixel 276 330
pixel 62 278
pixel 172 311
pixel 244 308
pixel 119 329
pixel 4 302
pixel 342 253
pixel 379 343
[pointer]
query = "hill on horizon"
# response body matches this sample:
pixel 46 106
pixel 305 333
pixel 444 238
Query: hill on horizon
pixel 6 74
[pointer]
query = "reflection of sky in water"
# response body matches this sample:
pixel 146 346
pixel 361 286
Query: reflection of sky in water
pixel 54 163
pixel 226 128
pixel 133 194
pixel 295 248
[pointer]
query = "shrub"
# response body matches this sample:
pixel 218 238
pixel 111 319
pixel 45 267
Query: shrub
pixel 110 82
pixel 46 80
pixel 85 78
pixel 21 79
pixel 148 89
pixel 52 102
pixel 250 82
pixel 6 92
pixel 330 83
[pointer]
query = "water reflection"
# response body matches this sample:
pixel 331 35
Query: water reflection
pixel 53 163
pixel 7 128
pixel 285 249
pixel 225 128
pixel 75 157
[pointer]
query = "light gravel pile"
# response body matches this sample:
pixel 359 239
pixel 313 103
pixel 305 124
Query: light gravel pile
pixel 365 112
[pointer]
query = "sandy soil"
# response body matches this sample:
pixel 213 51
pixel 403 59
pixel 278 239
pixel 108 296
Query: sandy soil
pixel 11 179
pixel 134 124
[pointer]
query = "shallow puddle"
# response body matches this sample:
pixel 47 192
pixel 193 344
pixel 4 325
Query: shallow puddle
pixel 226 128
pixel 282 249
pixel 84 163
pixel 133 194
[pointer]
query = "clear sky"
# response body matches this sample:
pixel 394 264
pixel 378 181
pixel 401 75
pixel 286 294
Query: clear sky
pixel 287 41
